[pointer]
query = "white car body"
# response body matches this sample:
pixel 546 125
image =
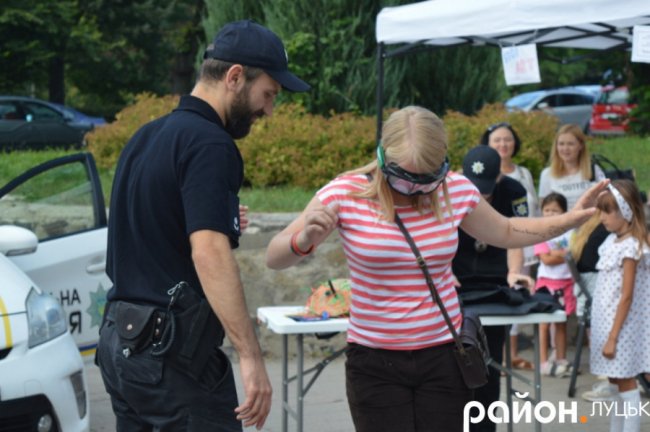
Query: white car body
pixel 42 385
pixel 76 278
pixel 70 261
pixel 60 205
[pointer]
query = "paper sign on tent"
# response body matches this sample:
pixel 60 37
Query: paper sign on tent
pixel 520 64
pixel 641 44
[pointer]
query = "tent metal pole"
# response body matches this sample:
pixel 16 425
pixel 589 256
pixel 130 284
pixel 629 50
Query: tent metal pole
pixel 380 89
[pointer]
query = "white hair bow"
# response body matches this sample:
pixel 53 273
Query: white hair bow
pixel 624 207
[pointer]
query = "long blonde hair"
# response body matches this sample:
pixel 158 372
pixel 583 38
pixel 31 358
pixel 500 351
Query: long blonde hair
pixel 581 235
pixel 412 135
pixel 558 169
pixel 607 203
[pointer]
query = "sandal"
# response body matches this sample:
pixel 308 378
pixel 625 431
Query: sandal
pixel 519 363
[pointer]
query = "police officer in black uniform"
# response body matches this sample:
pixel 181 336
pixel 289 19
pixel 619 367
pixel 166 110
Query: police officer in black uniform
pixel 478 265
pixel 174 220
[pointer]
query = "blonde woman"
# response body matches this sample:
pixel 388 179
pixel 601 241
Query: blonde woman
pixel 571 172
pixel 400 370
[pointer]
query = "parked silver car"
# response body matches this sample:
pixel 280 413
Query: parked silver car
pixel 569 105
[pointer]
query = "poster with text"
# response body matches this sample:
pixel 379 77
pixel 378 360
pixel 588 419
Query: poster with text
pixel 641 44
pixel 520 64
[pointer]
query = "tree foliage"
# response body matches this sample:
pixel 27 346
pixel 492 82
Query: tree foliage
pixel 462 79
pixel 98 54
pixel 640 116
pixel 332 42
pixel 34 36
pixel 331 45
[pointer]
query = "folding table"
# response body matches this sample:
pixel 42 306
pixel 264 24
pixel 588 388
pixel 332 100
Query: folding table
pixel 276 319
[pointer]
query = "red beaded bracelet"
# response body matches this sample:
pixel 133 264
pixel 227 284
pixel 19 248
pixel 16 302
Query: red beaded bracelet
pixel 296 249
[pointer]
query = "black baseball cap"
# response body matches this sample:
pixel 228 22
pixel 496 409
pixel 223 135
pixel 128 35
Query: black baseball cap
pixel 250 44
pixel 482 165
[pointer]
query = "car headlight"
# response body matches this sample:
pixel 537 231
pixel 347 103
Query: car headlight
pixel 45 318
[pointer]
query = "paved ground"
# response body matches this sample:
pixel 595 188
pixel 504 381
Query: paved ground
pixel 326 405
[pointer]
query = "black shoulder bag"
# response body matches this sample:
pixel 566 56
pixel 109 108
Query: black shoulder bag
pixel 611 170
pixel 471 349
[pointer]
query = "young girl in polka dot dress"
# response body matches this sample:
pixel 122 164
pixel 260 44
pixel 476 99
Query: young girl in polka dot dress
pixel 620 321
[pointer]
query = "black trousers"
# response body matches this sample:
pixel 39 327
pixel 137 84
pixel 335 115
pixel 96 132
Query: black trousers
pixel 149 395
pixel 405 391
pixel 490 392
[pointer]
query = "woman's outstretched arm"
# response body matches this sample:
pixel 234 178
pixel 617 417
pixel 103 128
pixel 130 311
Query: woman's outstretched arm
pixel 487 225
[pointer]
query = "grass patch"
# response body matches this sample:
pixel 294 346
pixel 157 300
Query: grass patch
pixel 627 152
pixel 276 199
pixel 273 199
pixel 15 163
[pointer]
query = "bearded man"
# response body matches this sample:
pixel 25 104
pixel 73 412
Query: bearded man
pixel 174 220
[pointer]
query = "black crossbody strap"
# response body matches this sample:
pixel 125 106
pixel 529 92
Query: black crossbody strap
pixel 430 284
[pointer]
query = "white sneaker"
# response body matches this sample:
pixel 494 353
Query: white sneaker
pixel 558 368
pixel 547 368
pixel 601 391
pixel 563 368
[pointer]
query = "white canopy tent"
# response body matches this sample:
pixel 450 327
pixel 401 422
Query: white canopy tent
pixel 587 24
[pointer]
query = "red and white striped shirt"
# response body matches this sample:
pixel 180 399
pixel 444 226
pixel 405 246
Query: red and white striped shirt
pixel 392 307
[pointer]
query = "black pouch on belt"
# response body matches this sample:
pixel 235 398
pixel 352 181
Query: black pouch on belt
pixel 135 326
pixel 197 334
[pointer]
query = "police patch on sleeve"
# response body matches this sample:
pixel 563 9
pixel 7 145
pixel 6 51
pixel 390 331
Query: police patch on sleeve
pixel 520 207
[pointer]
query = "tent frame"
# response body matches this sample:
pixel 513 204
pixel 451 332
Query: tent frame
pixel 611 32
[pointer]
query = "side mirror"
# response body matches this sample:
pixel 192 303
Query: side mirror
pixel 542 105
pixel 68 116
pixel 15 240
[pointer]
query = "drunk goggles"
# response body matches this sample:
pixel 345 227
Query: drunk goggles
pixel 408 183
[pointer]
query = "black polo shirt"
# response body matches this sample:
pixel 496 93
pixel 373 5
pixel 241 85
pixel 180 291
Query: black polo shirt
pixel 178 174
pixel 476 262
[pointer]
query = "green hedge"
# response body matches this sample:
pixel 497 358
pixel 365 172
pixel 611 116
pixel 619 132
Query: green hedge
pixel 301 149
pixel 106 142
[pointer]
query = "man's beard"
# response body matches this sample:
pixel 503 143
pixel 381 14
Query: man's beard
pixel 239 123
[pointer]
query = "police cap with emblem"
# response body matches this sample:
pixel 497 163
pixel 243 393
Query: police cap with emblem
pixel 482 166
pixel 250 44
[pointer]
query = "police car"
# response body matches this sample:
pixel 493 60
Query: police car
pixel 43 386
pixel 52 292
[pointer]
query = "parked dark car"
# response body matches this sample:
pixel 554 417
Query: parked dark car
pixel 81 120
pixel 28 123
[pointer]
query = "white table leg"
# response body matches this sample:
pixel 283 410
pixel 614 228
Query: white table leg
pixel 538 374
pixel 285 383
pixel 299 374
pixel 508 375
